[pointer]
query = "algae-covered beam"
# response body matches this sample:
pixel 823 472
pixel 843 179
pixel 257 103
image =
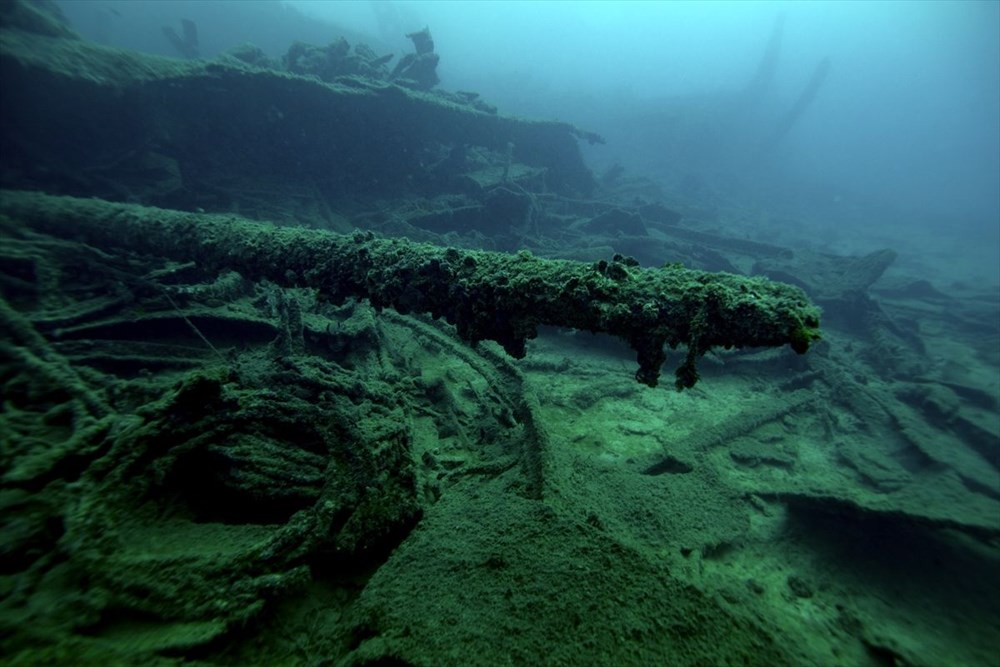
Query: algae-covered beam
pixel 486 295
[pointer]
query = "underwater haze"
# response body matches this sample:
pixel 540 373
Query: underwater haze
pixel 910 112
pixel 908 116
pixel 464 334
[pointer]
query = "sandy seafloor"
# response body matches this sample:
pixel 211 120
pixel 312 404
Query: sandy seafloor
pixel 928 595
pixel 758 518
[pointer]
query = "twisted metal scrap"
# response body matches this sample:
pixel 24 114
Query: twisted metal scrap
pixel 486 295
